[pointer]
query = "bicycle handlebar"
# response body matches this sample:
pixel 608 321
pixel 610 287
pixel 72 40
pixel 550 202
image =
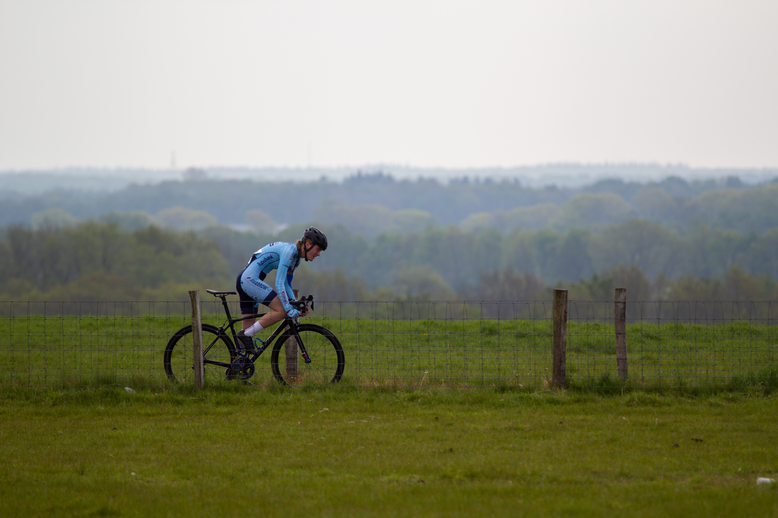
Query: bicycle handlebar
pixel 302 303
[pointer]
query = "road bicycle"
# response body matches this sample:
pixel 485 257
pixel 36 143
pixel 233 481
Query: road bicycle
pixel 301 353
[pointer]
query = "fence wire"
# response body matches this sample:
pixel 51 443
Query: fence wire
pixel 472 343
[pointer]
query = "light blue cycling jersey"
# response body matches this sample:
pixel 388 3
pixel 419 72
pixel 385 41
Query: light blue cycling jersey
pixel 281 256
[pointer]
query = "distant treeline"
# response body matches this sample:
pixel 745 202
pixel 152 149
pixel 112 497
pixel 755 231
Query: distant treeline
pixel 97 260
pixel 376 203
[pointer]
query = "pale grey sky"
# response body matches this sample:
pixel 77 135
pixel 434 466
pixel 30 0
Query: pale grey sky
pixel 115 83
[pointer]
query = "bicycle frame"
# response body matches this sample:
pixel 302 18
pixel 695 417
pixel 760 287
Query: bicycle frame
pixel 287 323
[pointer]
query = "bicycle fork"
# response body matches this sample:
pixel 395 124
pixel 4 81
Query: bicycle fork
pixel 303 351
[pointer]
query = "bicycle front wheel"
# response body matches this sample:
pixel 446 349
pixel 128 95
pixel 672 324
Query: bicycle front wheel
pixel 218 354
pixel 324 350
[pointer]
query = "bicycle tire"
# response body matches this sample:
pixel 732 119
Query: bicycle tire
pixel 327 359
pixel 218 354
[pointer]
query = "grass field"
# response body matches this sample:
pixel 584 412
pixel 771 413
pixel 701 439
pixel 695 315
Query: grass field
pixel 237 450
pixel 63 350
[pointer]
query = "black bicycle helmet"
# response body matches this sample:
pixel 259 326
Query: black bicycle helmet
pixel 316 237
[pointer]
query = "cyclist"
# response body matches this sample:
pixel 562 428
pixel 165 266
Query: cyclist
pixel 285 257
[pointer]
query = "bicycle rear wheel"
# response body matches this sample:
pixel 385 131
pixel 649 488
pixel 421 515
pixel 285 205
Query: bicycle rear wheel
pixel 218 354
pixel 324 350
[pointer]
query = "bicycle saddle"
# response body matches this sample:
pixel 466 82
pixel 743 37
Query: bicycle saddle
pixel 220 293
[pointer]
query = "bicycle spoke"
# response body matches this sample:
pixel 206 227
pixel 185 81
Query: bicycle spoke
pixel 217 358
pixel 324 351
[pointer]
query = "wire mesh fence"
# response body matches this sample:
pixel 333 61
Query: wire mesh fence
pixel 472 343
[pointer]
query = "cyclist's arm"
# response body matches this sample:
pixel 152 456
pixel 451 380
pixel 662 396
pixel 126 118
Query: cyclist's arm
pixel 289 289
pixel 284 278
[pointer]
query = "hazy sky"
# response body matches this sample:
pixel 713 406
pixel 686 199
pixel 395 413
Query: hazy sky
pixel 425 83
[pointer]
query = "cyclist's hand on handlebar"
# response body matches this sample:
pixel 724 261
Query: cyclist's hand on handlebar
pixel 303 305
pixel 293 313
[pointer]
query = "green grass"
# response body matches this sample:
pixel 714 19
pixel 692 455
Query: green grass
pixel 234 450
pixel 65 350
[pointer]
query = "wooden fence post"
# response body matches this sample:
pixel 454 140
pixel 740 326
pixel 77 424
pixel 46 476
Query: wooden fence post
pixel 558 371
pixel 620 319
pixel 290 348
pixel 197 339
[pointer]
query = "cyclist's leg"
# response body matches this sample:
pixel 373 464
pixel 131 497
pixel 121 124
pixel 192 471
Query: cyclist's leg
pixel 249 301
pixel 253 290
pixel 275 315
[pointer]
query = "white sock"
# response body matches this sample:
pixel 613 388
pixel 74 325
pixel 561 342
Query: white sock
pixel 251 331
